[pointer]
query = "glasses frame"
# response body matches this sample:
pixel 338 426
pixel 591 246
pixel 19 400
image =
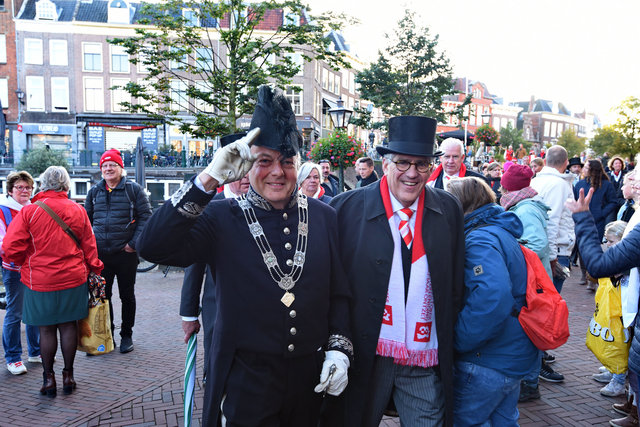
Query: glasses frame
pixel 21 188
pixel 429 165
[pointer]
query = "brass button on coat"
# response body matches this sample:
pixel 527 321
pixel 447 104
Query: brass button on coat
pixel 288 246
pixel 291 347
pixel 286 231
pixel 293 331
pixel 292 314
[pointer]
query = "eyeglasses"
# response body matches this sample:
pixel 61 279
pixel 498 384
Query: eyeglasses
pixel 22 188
pixel 404 165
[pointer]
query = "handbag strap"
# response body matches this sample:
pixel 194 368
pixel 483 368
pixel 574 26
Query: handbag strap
pixel 59 220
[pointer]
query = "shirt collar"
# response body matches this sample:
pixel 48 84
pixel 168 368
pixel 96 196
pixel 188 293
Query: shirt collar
pixel 396 205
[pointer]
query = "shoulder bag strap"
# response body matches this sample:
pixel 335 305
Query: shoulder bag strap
pixel 59 220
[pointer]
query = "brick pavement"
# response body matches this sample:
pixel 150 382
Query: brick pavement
pixel 144 387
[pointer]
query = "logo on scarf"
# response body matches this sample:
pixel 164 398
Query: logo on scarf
pixel 387 316
pixel 423 332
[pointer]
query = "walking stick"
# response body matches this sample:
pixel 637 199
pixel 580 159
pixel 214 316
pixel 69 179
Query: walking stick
pixel 190 379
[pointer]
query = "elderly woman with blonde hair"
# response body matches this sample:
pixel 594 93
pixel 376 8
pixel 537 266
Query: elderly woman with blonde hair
pixel 54 269
pixel 309 178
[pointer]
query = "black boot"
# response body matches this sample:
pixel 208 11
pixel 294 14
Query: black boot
pixel 68 383
pixel 48 384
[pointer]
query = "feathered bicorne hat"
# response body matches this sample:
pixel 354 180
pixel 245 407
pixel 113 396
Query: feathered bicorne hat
pixel 233 137
pixel 277 123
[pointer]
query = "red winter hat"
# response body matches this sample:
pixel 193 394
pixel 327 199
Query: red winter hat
pixel 112 155
pixel 516 177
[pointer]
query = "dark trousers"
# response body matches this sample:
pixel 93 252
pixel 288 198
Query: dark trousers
pixel 270 391
pixel 122 266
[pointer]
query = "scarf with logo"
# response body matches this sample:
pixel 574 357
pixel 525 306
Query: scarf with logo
pixel 408 332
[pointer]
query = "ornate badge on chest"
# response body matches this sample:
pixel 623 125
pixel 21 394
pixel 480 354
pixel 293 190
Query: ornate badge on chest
pixel 285 282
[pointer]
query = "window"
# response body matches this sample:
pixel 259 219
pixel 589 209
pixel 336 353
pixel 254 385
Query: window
pixel 179 100
pixel 35 93
pixel 4 93
pixel 295 98
pixel 119 95
pixel 191 17
pixel 547 128
pixel 119 60
pixel 93 94
pixel 297 60
pixel 91 57
pixel 345 79
pixel 477 93
pixel 33 51
pixel 81 188
pixel 142 58
pixel 325 79
pixel 46 10
pixel 204 58
pixel 150 91
pixel 179 63
pixel 58 52
pixel 290 18
pixel 59 94
pixel 205 87
pixel 3 48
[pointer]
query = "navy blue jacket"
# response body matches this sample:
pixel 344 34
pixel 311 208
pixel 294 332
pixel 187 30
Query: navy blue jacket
pixel 621 257
pixel 495 278
pixel 603 203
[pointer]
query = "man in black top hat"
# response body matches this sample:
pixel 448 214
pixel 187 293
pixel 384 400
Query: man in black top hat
pixel 402 244
pixel 575 167
pixel 282 329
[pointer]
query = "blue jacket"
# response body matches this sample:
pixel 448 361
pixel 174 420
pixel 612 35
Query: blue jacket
pixel 487 332
pixel 616 259
pixel 603 202
pixel 533 214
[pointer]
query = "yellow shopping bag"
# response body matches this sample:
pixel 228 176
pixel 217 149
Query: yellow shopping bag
pixel 94 332
pixel 607 338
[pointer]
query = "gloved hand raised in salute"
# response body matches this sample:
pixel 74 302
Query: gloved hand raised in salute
pixel 232 162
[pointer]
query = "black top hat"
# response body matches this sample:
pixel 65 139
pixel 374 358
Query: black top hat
pixel 575 161
pixel 277 123
pixel 233 137
pixel 411 135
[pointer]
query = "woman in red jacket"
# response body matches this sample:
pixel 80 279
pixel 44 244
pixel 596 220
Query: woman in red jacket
pixel 54 270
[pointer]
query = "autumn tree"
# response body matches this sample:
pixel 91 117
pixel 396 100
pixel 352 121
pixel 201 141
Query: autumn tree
pixel 204 60
pixel 572 142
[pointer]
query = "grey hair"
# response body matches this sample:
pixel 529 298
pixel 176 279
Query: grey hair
pixel 452 142
pixel 616 228
pixel 556 156
pixel 55 178
pixel 305 171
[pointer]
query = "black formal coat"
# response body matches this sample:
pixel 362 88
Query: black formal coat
pixel 367 251
pixel 438 183
pixel 250 315
pixel 192 286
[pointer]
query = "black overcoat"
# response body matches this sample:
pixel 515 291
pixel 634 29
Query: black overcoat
pixel 250 315
pixel 367 250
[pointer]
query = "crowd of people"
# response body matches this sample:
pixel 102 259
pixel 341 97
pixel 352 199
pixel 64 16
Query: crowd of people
pixel 398 297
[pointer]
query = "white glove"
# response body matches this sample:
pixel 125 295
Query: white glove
pixel 231 163
pixel 333 378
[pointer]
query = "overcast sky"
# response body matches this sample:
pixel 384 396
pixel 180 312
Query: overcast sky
pixel 585 53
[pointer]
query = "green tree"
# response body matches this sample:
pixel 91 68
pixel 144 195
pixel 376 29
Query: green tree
pixel 37 160
pixel 572 143
pixel 410 76
pixel 209 57
pixel 510 136
pixel 628 124
pixel 607 139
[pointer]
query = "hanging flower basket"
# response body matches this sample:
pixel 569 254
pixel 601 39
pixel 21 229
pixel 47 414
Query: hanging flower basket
pixel 340 149
pixel 488 135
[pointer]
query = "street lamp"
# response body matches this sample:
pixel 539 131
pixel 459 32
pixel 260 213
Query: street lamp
pixel 486 118
pixel 20 95
pixel 372 138
pixel 340 115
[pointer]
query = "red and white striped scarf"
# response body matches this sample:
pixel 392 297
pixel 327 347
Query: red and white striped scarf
pixel 408 332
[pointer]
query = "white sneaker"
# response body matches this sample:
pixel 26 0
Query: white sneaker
pixel 603 377
pixel 35 359
pixel 613 389
pixel 17 368
pixel 602 369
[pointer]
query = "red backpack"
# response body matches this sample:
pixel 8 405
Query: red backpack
pixel 545 316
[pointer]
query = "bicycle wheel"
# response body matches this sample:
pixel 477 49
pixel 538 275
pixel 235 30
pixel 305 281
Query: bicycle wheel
pixel 145 266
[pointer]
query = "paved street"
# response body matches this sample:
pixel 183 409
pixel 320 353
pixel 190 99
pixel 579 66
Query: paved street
pixel 144 387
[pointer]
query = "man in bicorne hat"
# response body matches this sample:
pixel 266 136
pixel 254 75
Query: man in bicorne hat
pixel 281 335
pixel 402 244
